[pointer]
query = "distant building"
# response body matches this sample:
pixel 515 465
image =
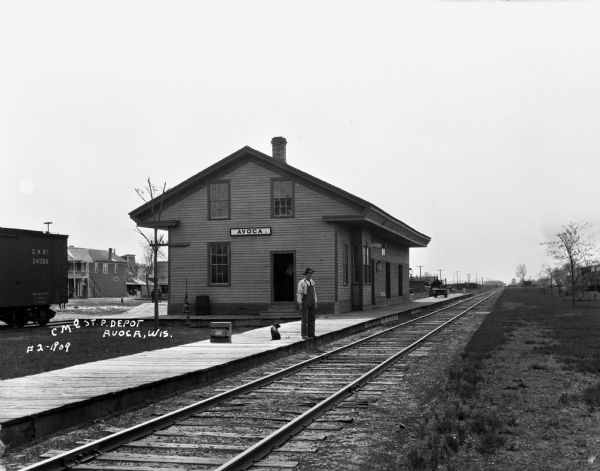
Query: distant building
pixel 591 277
pixel 162 273
pixel 96 273
pixel 135 285
pixel 242 232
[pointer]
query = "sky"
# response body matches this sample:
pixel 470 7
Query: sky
pixel 475 123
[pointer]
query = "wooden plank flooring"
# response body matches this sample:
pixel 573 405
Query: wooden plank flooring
pixel 41 393
pixel 36 394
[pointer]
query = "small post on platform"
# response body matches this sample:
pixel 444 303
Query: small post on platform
pixel 186 306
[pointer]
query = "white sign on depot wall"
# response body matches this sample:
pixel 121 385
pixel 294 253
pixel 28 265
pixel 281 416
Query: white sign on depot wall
pixel 250 231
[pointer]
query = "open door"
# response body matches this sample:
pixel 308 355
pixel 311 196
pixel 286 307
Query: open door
pixel 283 277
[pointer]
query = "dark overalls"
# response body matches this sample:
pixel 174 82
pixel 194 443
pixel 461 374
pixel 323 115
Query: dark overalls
pixel 309 309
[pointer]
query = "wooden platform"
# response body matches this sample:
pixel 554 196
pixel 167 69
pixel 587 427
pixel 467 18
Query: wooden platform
pixel 36 406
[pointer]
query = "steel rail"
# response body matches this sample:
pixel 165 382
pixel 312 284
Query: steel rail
pixel 262 448
pixel 89 451
pixel 33 324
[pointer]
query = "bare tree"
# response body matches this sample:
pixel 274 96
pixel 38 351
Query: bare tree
pixel 521 272
pixel 150 194
pixel 572 247
pixel 551 277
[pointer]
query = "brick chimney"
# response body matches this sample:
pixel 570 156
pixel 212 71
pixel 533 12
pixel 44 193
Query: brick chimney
pixel 278 144
pixel 110 252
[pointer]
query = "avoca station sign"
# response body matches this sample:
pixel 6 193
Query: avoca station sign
pixel 250 231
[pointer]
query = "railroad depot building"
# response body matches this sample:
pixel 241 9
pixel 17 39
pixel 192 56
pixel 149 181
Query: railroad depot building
pixel 242 232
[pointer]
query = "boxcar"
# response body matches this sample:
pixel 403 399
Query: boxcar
pixel 33 275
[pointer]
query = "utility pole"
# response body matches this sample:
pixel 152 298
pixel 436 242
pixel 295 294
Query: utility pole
pixel 48 226
pixel 440 270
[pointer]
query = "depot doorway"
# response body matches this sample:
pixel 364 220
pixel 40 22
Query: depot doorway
pixel 283 270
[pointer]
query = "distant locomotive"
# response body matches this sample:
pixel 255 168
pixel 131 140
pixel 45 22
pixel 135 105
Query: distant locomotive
pixel 33 275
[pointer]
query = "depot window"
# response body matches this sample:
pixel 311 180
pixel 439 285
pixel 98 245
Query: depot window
pixel 219 200
pixel 282 198
pixel 366 252
pixel 219 264
pixel 356 264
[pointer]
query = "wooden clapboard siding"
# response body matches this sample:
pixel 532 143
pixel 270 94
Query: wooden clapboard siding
pixel 398 255
pixel 344 290
pixel 325 218
pixel 306 234
pixel 395 255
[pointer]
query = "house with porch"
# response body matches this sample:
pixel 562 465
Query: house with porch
pixel 96 273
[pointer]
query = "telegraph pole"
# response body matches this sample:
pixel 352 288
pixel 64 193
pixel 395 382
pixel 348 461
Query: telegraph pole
pixel 48 226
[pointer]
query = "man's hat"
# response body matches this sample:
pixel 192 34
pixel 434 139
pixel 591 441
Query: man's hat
pixel 308 270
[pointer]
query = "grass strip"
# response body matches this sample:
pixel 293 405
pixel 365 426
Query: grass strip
pixel 460 418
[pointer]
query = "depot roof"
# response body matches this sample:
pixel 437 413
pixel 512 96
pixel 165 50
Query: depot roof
pixel 370 216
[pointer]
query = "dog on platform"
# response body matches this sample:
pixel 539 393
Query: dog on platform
pixel 275 335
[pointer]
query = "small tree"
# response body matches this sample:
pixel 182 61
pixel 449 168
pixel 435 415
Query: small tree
pixel 573 248
pixel 521 273
pixel 150 194
pixel 551 276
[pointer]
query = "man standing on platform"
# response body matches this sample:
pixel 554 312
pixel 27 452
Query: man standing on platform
pixel 306 297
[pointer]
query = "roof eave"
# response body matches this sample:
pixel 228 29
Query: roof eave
pixel 164 224
pixel 148 207
pixel 391 228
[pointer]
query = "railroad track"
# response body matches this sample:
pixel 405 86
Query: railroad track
pixel 264 423
pixel 31 325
